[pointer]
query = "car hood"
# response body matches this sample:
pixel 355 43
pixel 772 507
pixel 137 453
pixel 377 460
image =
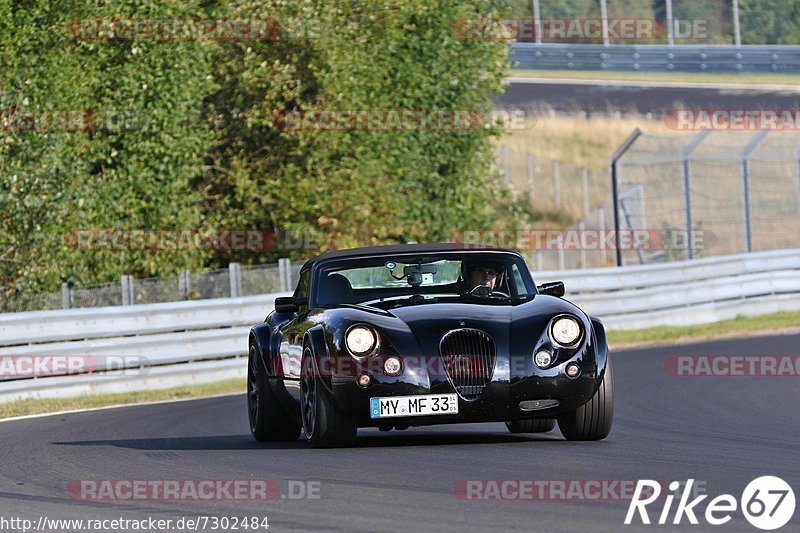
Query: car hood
pixel 417 328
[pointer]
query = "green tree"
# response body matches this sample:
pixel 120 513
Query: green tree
pixel 343 188
pixel 770 21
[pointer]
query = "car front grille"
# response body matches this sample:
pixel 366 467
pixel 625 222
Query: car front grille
pixel 469 357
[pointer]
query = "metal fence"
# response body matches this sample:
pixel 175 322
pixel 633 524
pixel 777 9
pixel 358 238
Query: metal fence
pixel 710 193
pixel 559 191
pixel 551 185
pixel 657 58
pixel 231 282
pixel 692 195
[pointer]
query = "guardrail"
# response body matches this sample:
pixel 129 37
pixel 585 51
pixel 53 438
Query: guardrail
pixel 143 344
pixel 657 58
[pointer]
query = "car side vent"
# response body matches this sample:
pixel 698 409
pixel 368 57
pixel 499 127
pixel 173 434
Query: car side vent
pixel 469 357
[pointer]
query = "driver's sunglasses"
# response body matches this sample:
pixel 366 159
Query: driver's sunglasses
pixel 485 272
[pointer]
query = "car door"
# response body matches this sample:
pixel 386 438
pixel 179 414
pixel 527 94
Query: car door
pixel 292 331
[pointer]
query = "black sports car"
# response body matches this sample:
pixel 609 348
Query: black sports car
pixel 411 335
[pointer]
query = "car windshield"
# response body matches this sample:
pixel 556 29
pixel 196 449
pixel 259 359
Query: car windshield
pixel 494 276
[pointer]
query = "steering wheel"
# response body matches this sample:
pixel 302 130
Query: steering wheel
pixel 483 290
pixel 480 290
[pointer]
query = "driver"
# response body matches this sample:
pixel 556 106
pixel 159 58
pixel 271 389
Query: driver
pixel 481 278
pixel 483 275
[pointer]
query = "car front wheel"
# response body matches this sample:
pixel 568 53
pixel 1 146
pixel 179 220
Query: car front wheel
pixel 325 426
pixel 592 420
pixel 268 421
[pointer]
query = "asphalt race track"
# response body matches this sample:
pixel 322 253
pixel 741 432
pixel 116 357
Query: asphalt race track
pixel 722 431
pixel 566 97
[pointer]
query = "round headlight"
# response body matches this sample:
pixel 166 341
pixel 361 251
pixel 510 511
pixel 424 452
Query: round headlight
pixel 361 341
pixel 392 366
pixel 566 332
pixel 543 359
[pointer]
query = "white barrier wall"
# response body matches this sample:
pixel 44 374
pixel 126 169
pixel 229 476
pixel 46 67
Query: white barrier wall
pixel 215 331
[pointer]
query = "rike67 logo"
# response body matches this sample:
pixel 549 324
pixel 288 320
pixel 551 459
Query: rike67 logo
pixel 767 503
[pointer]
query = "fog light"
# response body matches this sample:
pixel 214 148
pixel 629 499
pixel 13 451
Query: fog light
pixel 364 380
pixel 543 359
pixel 392 366
pixel 573 370
pixel 535 405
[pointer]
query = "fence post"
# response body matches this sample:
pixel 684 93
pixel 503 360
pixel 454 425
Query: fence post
pixel 581 232
pixel 539 261
pixel 585 190
pixel 127 290
pixel 235 277
pixel 687 206
pixel 184 283
pixel 748 227
pixel 614 171
pixel 687 190
pixel 737 31
pixel 604 20
pixel 745 171
pixel 670 25
pixel 283 273
pixel 601 226
pixel 557 182
pixel 290 286
pixel 66 296
pixel 531 180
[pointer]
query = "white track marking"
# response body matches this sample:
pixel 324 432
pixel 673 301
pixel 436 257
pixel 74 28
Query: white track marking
pixel 116 406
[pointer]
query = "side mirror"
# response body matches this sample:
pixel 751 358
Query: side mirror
pixel 555 288
pixel 286 304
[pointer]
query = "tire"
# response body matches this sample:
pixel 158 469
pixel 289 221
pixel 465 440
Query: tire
pixel 592 420
pixel 540 425
pixel 324 425
pixel 268 420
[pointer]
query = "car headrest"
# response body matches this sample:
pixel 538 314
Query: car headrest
pixel 336 289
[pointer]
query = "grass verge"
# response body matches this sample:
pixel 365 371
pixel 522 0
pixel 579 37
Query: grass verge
pixel 750 79
pixel 33 406
pixel 718 330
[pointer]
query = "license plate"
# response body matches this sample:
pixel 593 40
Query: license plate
pixel 429 404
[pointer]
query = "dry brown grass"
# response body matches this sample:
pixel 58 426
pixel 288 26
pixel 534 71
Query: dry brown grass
pixel 577 141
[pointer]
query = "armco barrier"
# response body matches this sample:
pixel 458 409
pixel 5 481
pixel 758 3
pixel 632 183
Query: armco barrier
pixel 183 342
pixel 776 59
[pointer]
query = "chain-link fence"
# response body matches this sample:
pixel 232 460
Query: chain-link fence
pixel 233 281
pixel 560 192
pixel 550 185
pixel 678 196
pixel 707 193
